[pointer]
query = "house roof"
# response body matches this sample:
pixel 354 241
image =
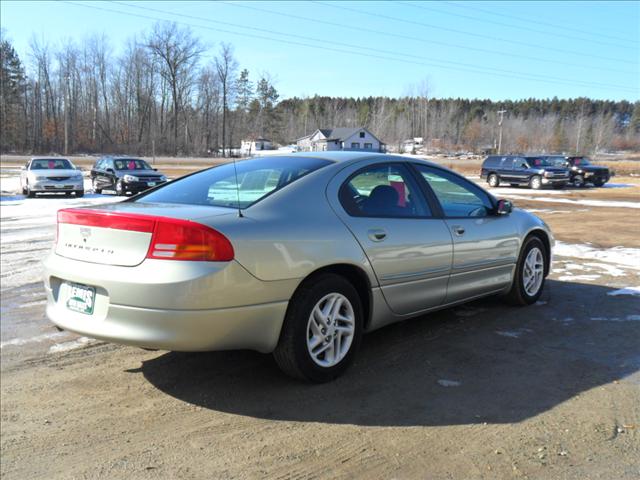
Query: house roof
pixel 338 133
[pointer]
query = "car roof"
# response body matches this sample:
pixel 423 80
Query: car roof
pixel 343 157
pixel 50 158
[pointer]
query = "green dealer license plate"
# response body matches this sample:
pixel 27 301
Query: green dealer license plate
pixel 79 298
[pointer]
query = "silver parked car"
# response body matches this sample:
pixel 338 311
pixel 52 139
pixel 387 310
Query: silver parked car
pixel 51 175
pixel 298 255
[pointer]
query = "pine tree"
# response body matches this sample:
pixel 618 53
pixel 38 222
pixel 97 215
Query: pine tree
pixel 12 91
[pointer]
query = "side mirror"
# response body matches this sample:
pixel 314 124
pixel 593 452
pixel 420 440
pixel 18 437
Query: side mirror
pixel 155 169
pixel 504 207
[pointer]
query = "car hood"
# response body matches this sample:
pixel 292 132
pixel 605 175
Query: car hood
pixel 554 169
pixel 55 172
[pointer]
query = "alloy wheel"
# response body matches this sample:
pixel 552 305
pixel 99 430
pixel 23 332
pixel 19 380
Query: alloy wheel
pixel 330 330
pixel 533 271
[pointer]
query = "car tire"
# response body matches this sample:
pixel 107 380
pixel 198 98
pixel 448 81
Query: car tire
pixel 599 183
pixel 120 191
pixel 529 278
pixel 535 182
pixel 97 190
pixel 79 193
pixel 493 180
pixel 303 329
pixel 30 193
pixel 578 181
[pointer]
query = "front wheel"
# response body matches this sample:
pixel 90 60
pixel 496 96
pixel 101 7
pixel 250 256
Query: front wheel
pixel 321 331
pixel 578 181
pixel 120 188
pixel 530 273
pixel 79 193
pixel 30 193
pixel 96 189
pixel 493 180
pixel 535 182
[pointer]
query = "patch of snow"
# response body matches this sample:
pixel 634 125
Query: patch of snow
pixel 621 256
pixel 16 342
pixel 448 383
pixel 634 291
pixel 609 269
pixel 618 185
pixel 589 203
pixel 73 345
pixel 628 318
pixel 513 333
pixel 571 278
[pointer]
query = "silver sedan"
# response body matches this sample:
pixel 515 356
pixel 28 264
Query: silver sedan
pixel 298 255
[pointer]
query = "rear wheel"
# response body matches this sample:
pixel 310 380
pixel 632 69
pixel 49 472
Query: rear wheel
pixel 321 331
pixel 578 181
pixel 493 180
pixel 535 182
pixel 599 182
pixel 530 273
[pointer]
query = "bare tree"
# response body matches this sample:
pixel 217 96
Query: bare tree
pixel 226 66
pixel 179 52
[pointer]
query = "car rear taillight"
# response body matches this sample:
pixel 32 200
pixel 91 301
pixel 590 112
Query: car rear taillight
pixel 184 240
pixel 172 238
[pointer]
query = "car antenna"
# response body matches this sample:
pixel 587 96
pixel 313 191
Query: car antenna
pixel 235 170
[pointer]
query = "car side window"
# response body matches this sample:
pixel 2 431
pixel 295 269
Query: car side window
pixel 457 196
pixel 383 190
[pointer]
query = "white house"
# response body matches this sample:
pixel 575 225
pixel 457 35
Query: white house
pixel 327 139
pixel 252 145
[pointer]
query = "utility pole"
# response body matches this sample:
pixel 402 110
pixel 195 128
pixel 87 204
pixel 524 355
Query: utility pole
pixel 501 113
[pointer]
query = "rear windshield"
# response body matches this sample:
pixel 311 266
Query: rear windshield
pixel 131 164
pixel 51 164
pixel 217 186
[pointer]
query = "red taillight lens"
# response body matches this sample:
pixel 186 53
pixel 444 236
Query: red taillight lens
pixel 172 239
pixel 115 220
pixel 183 240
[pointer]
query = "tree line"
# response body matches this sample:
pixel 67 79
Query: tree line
pixel 165 94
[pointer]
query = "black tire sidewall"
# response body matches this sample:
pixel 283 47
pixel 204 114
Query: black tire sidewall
pixel 298 317
pixel 523 297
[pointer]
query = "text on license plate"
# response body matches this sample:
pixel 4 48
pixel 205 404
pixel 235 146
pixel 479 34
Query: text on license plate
pixel 151 184
pixel 79 298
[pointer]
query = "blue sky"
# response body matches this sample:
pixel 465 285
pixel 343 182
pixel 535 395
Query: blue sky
pixel 497 50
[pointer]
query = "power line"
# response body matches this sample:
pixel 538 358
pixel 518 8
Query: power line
pixel 375 50
pixel 422 40
pixel 325 48
pixel 483 20
pixel 472 34
pixel 467 6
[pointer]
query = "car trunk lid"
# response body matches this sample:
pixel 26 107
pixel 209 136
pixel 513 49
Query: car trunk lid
pixel 121 234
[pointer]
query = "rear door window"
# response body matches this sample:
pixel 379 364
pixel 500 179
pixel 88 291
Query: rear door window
pixel 383 190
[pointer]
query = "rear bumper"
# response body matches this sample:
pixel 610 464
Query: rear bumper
pixel 171 305
pixel 254 327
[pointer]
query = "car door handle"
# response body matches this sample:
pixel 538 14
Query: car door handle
pixel 458 230
pixel 377 235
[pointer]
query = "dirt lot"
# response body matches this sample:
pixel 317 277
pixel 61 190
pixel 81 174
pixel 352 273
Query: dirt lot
pixel 480 391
